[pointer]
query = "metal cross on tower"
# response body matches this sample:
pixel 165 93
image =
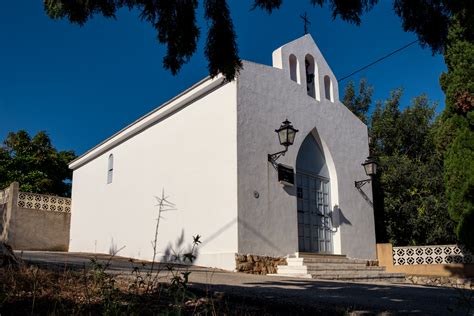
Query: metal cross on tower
pixel 306 22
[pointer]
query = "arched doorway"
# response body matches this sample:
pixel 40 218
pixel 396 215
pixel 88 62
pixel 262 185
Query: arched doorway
pixel 313 198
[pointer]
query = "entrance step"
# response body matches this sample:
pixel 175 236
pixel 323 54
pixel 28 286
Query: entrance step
pixel 326 261
pixel 335 267
pixel 381 277
pixel 318 255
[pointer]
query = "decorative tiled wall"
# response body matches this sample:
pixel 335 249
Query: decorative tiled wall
pixel 44 202
pixel 431 255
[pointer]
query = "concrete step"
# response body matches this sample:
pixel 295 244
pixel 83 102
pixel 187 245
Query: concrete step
pixel 335 267
pixel 330 266
pixel 330 270
pixel 342 275
pixel 292 269
pixel 381 277
pixel 318 255
pixel 292 275
pixel 326 260
pixel 349 273
pixel 327 264
pixel 344 268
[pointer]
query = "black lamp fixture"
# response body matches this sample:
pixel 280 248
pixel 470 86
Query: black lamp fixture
pixel 370 167
pixel 286 136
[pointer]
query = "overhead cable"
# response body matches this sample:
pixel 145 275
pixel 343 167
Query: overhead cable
pixel 378 60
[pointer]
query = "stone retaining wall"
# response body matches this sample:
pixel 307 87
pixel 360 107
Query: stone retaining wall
pixel 255 264
pixel 466 283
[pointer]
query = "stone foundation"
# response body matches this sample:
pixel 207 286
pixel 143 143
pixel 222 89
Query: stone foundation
pixel 255 264
pixel 467 283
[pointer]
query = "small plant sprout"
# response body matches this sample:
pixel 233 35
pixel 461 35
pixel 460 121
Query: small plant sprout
pixel 164 205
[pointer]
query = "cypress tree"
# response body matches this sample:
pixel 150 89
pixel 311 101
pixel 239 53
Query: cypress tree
pixel 455 134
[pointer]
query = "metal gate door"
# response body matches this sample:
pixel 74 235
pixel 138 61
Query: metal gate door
pixel 314 218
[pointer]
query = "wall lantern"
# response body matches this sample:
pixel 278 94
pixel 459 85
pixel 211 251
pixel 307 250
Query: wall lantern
pixel 370 167
pixel 286 136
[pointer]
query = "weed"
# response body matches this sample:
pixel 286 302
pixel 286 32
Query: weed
pixel 94 289
pixel 104 284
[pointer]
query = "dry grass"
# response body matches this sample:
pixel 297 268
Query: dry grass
pixel 29 290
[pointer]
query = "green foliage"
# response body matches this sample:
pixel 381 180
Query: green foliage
pixel 459 179
pixel 175 23
pixel 459 59
pixel 35 164
pixel 409 200
pixel 411 208
pixel 454 132
pixel 358 104
pixel 221 47
pixel 105 287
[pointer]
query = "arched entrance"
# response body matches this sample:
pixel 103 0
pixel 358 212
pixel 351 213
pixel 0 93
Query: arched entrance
pixel 313 198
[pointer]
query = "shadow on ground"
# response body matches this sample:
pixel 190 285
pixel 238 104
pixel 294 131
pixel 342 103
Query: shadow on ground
pixel 303 294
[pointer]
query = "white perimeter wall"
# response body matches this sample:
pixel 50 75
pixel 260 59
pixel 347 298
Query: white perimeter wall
pixel 192 155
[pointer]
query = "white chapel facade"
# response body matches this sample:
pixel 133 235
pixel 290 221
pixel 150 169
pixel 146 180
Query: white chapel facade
pixel 208 148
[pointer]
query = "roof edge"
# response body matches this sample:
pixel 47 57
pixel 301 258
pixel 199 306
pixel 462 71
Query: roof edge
pixel 169 107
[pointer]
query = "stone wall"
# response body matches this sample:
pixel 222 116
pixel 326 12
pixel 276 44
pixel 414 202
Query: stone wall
pixel 258 264
pixel 35 221
pixel 466 283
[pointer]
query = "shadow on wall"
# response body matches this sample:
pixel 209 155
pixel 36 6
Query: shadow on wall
pixel 366 198
pixel 338 217
pixel 290 190
pixel 460 270
pixel 245 225
pixel 256 233
pixel 182 253
pixel 172 251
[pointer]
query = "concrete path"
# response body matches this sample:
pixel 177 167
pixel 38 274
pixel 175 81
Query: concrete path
pixel 326 295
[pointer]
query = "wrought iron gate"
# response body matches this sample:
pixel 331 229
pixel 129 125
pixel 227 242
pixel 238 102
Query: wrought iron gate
pixel 314 213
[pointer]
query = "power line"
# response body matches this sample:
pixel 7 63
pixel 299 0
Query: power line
pixel 378 60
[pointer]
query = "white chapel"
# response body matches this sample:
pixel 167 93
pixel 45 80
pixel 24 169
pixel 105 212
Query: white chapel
pixel 210 149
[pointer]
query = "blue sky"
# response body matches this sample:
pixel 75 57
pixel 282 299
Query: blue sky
pixel 82 84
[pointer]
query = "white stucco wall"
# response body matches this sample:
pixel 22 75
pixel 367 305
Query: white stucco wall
pixel 266 97
pixel 192 155
pixel 207 148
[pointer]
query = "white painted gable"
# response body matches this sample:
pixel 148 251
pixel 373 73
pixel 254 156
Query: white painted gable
pixel 293 57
